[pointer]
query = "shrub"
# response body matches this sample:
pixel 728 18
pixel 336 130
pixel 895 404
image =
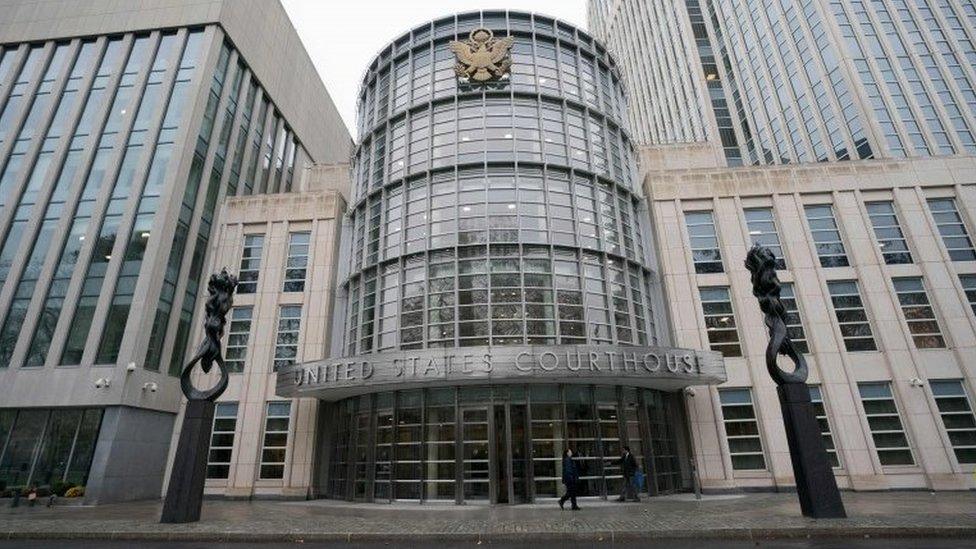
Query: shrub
pixel 75 492
pixel 59 487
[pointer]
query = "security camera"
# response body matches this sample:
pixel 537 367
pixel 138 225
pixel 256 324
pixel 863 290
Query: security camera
pixel 916 382
pixel 102 382
pixel 131 367
pixel 151 387
pixel 690 391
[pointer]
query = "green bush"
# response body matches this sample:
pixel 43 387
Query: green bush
pixel 60 487
pixel 75 492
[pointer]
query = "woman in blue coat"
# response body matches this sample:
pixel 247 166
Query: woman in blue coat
pixel 570 479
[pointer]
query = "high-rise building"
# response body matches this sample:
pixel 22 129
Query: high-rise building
pixel 498 301
pixel 876 252
pixel 123 131
pixel 797 81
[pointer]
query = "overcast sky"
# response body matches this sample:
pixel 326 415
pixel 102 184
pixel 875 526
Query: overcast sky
pixel 342 36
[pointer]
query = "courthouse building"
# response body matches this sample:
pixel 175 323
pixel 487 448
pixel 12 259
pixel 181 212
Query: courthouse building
pixel 123 128
pixel 839 134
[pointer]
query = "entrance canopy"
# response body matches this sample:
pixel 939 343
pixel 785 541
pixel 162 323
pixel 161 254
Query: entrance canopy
pixel 663 368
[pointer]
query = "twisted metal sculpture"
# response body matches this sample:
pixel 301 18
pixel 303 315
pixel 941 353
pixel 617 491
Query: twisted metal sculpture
pixel 221 289
pixel 761 262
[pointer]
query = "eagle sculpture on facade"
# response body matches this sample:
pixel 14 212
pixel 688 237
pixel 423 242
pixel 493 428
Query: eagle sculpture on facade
pixel 482 57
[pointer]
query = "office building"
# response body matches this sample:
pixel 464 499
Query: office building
pixel 871 105
pixel 123 132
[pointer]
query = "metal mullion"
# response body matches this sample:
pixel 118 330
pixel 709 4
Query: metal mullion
pixel 647 442
pixel 252 127
pixel 351 452
pixel 6 440
pixel 30 96
pixel 371 449
pixel 74 445
pixel 39 446
pixel 393 444
pixel 127 219
pixel 100 203
pixel 595 410
pixel 264 126
pixel 423 442
pixel 527 443
pixel 458 449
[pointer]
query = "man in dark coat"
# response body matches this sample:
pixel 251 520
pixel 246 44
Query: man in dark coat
pixel 570 479
pixel 628 465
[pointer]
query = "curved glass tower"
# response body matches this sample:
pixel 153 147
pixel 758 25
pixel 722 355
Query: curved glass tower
pixel 501 296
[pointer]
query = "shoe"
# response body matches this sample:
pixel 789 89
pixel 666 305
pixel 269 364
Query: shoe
pixel 576 508
pixel 561 504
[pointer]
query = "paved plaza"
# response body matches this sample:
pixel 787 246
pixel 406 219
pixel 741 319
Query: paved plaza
pixel 740 517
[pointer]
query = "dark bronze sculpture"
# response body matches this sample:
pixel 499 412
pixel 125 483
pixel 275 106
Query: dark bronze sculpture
pixel 184 496
pixel 816 486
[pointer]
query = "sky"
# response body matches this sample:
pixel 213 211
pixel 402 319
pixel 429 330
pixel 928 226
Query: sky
pixel 343 36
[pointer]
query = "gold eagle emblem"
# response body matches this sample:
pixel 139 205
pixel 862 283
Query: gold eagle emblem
pixel 482 57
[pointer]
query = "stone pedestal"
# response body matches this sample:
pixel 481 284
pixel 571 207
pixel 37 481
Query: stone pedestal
pixel 815 483
pixel 184 497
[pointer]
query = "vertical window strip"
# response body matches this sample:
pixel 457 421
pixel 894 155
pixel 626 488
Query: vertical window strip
pixel 890 441
pixel 968 282
pixel 238 337
pixel 762 231
pixel 956 410
pixel 794 322
pixel 918 312
pixel 274 448
pixel 826 235
pixel 891 240
pixel 287 336
pixel 720 320
pixel 705 252
pixel 250 268
pixel 953 230
pixel 851 315
pixel 222 440
pixel 742 429
pixel 296 265
pixel 820 411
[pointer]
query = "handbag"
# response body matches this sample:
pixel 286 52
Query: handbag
pixel 639 481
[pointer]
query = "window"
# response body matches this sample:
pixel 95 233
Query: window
pixel 222 440
pixel 851 316
pixel 892 242
pixel 886 430
pixel 826 236
pixel 957 417
pixel 969 286
pixel 819 410
pixel 295 268
pixel 286 342
pixel 237 338
pixel 275 443
pixel 704 242
pixel 720 320
pixel 741 429
pixel 794 325
pixel 250 264
pixel 953 230
pixel 918 313
pixel 762 231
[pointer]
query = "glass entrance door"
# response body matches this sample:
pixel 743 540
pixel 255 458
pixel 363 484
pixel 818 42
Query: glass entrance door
pixel 475 454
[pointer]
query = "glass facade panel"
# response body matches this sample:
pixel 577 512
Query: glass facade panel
pixel 47 448
pixel 890 441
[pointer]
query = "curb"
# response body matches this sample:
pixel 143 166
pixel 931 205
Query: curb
pixel 594 536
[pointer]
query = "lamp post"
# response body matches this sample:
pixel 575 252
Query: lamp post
pixel 184 496
pixel 816 486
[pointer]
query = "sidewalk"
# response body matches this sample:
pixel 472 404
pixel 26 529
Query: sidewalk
pixel 751 516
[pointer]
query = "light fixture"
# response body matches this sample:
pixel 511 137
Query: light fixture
pixel 711 76
pixel 755 232
pixel 508 136
pixel 511 206
pixel 108 258
pixel 145 235
pixel 81 237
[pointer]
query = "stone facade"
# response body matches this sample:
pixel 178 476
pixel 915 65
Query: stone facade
pixel 909 370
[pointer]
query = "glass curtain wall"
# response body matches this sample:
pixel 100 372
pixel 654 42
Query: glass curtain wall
pixel 501 444
pixel 47 448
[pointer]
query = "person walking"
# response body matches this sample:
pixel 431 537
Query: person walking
pixel 570 479
pixel 628 465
